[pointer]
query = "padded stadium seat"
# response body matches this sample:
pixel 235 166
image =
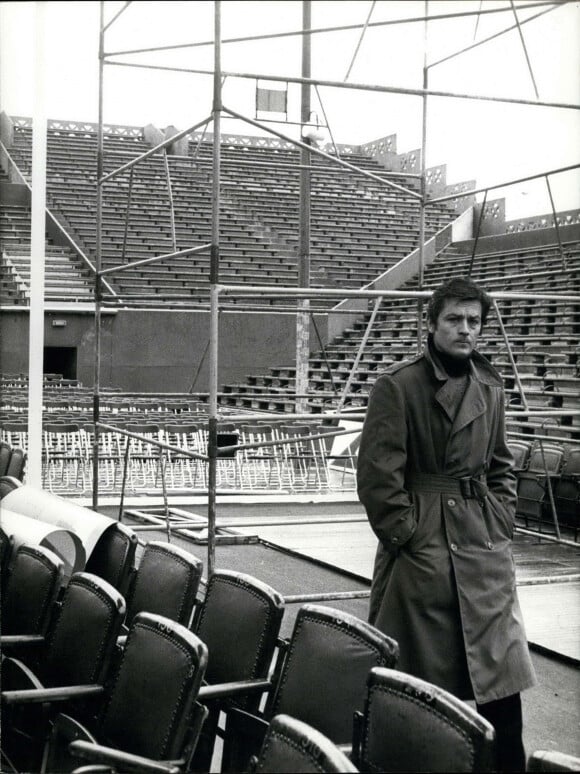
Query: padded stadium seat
pixel 292 746
pixel 7 485
pixel 567 490
pixel 6 547
pixel 552 760
pixel 33 581
pixel 321 680
pixel 76 651
pixel 239 621
pixel 532 483
pixel 165 583
pixel 5 454
pixel 151 713
pixel 521 453
pixel 113 556
pixel 17 464
pixel 411 725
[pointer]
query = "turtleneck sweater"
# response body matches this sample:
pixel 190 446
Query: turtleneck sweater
pixel 457 369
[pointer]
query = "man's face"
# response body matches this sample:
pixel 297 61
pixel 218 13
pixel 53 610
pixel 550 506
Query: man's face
pixel 457 328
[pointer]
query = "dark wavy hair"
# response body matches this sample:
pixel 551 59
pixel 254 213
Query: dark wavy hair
pixel 458 289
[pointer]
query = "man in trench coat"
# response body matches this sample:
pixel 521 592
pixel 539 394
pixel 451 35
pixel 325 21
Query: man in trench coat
pixel 435 477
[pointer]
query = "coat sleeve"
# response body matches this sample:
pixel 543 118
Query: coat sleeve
pixel 381 466
pixel 501 478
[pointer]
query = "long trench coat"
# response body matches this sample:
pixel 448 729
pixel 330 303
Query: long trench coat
pixel 444 577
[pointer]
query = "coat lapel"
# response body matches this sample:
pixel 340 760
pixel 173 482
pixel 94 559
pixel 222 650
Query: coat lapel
pixel 472 406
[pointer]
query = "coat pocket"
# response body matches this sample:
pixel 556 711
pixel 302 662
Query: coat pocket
pixel 500 519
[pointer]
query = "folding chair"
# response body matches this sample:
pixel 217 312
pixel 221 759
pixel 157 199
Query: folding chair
pixel 144 458
pixel 185 471
pixel 300 460
pixel 321 680
pixel 260 465
pixel 113 556
pixel 151 719
pixel 70 663
pixel 239 621
pixel 292 746
pixel 411 725
pixel 165 583
pixel 552 760
pixel 64 461
pixel 33 581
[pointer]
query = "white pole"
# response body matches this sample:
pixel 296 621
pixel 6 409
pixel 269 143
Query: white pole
pixel 37 256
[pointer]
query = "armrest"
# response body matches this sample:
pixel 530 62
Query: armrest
pixel 126 761
pixel 229 690
pixel 19 640
pixel 49 695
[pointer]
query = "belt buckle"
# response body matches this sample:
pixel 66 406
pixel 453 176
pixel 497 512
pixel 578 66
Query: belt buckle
pixel 466 487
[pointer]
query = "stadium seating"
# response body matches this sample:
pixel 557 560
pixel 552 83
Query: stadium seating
pixel 74 654
pixel 293 746
pixel 325 643
pixel 150 714
pixel 409 724
pixel 31 586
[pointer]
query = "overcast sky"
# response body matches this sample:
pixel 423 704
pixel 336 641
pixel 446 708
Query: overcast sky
pixel 489 142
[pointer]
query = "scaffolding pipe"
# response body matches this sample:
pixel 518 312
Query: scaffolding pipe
pixel 214 295
pixel 477 233
pixel 127 215
pixel 170 194
pixel 556 224
pixel 324 155
pixel 526 407
pixel 423 185
pixel 361 86
pixel 155 259
pixel 98 263
pixel 463 194
pixel 161 146
pixel 490 37
pixel 303 305
pixel 523 42
pixel 341 28
pixel 359 353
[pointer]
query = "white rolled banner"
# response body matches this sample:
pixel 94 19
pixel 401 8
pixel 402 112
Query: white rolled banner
pixel 63 542
pixel 87 525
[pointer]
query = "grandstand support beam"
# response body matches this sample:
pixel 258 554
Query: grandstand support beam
pixel 161 146
pixel 212 445
pixel 318 152
pixel 505 184
pixel 526 407
pixel 303 310
pixel 359 353
pixel 37 256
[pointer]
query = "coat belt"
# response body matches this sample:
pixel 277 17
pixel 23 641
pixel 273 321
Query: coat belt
pixel 468 487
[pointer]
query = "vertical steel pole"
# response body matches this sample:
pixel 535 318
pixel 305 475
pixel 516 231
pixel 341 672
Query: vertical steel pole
pixel 556 225
pixel 303 312
pixel 423 190
pixel 214 296
pixel 37 256
pixel 98 263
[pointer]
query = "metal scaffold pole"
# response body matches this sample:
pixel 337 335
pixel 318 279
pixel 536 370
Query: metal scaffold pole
pixel 98 265
pixel 214 297
pixel 303 311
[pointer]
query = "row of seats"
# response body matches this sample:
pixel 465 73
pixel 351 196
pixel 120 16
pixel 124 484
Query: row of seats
pixel 116 682
pixel 548 476
pixel 289 457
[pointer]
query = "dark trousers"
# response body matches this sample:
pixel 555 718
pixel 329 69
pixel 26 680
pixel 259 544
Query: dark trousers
pixel 505 715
